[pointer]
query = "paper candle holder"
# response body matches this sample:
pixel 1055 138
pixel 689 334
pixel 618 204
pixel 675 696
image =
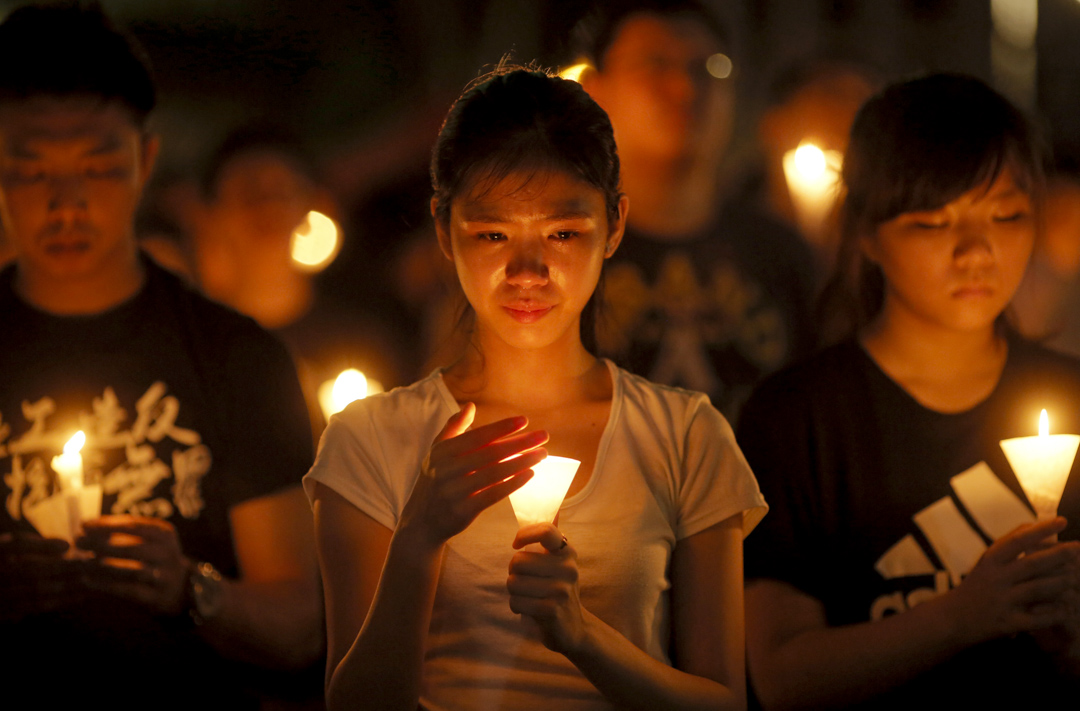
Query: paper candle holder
pixel 1042 465
pixel 539 500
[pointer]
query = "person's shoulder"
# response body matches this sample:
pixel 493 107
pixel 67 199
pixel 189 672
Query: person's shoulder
pixel 1026 354
pixel 1034 364
pixel 829 367
pixel 666 412
pixel 202 313
pixel 638 389
pixel 7 291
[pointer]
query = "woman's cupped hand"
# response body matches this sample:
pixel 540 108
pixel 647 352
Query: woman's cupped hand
pixel 466 471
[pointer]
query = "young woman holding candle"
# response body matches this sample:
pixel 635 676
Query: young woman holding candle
pixel 896 569
pixel 410 488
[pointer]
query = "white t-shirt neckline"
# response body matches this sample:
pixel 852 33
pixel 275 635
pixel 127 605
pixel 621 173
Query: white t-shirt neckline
pixel 453 406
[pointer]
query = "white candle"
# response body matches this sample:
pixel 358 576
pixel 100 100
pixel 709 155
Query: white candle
pixel 539 500
pixel 1042 465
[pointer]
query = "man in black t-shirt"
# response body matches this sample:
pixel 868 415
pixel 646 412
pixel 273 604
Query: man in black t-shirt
pixel 701 295
pixel 196 431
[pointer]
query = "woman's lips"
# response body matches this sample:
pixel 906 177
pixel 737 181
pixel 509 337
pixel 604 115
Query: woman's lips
pixel 974 291
pixel 527 313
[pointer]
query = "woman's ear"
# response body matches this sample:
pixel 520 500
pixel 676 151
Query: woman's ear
pixel 442 231
pixel 868 248
pixel 617 228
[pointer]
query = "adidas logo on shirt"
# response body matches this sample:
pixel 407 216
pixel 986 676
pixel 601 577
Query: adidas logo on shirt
pixel 994 508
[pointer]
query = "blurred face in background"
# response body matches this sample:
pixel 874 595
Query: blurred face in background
pixel 260 198
pixel 654 85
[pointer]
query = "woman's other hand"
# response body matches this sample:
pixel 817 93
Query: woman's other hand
pixel 543 585
pixel 1024 582
pixel 467 471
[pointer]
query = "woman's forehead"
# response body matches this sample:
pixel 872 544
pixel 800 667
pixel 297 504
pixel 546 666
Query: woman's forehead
pixel 529 185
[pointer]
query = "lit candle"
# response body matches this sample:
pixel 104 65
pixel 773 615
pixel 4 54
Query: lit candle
pixel 539 500
pixel 69 465
pixel 69 468
pixel 813 177
pixel 1042 465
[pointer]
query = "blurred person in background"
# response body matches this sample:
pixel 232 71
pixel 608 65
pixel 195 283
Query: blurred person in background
pixel 201 573
pixel 260 189
pixel 1047 304
pixel 701 295
pixel 811 102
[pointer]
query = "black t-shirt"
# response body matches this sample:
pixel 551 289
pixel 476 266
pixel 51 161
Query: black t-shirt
pixel 877 503
pixel 714 312
pixel 189 409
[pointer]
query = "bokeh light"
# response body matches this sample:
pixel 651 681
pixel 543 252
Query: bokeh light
pixel 350 385
pixel 574 71
pixel 315 242
pixel 719 65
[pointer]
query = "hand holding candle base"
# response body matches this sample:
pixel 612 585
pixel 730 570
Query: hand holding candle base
pixel 543 586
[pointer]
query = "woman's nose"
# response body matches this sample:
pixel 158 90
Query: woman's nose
pixel 527 266
pixel 973 248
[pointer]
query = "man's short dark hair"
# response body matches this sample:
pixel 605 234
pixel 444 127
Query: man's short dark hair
pixel 596 32
pixel 72 50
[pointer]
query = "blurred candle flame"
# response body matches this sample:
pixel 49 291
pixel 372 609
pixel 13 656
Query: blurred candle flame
pixel 315 242
pixel 348 386
pixel 69 465
pixel 75 444
pixel 574 71
pixel 813 178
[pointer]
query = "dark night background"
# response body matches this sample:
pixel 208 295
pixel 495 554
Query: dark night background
pixel 366 83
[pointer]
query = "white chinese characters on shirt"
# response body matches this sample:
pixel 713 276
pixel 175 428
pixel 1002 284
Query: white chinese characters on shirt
pixel 134 480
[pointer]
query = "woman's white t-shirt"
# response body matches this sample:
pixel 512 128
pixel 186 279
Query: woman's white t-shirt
pixel 667 468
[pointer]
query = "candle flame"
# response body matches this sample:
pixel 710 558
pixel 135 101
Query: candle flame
pixel 574 71
pixel 350 385
pixel 315 242
pixel 1044 425
pixel 75 444
pixel 810 160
